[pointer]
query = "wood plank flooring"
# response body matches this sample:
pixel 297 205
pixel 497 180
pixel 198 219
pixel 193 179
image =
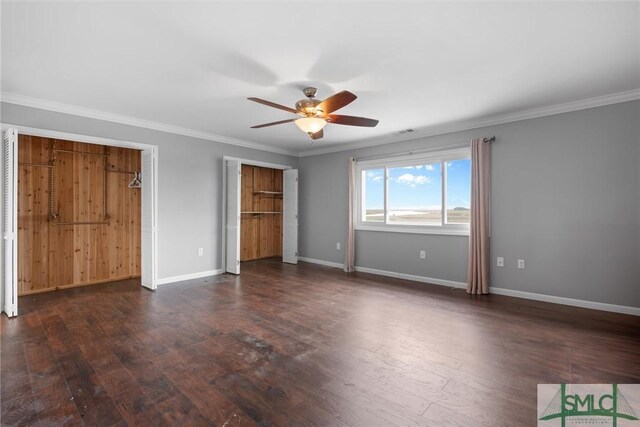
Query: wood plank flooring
pixel 299 345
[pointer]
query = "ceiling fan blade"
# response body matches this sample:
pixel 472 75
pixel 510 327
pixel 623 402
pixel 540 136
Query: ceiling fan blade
pixel 351 120
pixel 273 104
pixel 337 101
pixel 317 135
pixel 271 124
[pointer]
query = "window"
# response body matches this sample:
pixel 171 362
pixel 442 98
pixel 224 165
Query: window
pixel 421 193
pixel 373 194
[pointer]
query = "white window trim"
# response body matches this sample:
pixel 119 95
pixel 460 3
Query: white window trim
pixel 439 156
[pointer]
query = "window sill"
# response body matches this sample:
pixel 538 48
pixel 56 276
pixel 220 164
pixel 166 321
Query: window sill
pixel 415 230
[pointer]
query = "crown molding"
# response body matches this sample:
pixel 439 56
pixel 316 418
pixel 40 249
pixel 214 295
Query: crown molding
pixel 43 104
pixel 458 126
pixel 440 129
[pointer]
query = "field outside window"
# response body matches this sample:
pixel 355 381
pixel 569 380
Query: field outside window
pixel 424 193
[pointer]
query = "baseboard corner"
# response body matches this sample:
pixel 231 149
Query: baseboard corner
pixel 191 276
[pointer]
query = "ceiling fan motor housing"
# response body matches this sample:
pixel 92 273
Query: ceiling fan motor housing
pixel 310 92
pixel 307 107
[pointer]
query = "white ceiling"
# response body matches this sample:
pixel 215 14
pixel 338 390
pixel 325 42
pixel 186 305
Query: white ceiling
pixel 412 65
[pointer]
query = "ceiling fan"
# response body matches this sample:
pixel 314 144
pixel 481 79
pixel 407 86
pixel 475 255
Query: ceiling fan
pixel 316 114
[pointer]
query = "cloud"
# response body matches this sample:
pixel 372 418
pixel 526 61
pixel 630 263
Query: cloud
pixel 430 167
pixel 375 176
pixel 406 178
pixel 413 180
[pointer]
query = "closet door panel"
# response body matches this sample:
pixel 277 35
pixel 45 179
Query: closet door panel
pixel 232 264
pixel 149 235
pixel 290 217
pixel 10 222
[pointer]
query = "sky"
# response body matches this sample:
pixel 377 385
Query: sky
pixel 419 187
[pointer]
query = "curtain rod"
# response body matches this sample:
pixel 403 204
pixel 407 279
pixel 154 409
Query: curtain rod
pixel 425 150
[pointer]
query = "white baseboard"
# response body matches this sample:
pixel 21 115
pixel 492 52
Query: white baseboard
pixel 321 262
pixel 414 278
pixel 634 311
pixel 191 276
pixel 623 309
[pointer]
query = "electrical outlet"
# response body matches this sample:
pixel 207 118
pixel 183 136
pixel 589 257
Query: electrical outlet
pixel 423 254
pixel 520 264
pixel 338 246
pixel 200 251
pixel 500 261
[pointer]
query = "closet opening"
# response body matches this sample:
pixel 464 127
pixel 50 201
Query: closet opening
pixel 260 212
pixel 79 214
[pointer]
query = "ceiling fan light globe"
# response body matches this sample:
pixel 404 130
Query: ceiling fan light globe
pixel 310 125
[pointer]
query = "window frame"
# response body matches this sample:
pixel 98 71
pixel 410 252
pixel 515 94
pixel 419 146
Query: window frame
pixel 441 157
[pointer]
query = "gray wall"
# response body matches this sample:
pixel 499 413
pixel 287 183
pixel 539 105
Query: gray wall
pixel 566 198
pixel 189 187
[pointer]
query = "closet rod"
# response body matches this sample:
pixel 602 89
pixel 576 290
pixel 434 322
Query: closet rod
pixel 36 165
pixel 81 223
pixel 123 172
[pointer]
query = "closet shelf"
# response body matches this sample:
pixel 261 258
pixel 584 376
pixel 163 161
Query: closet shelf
pixel 259 212
pixel 268 192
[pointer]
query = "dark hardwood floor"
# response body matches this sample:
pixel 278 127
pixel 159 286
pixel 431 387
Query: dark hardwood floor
pixel 299 345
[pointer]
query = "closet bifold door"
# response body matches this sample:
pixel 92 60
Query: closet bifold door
pixel 232 262
pixel 149 226
pixel 9 301
pixel 290 216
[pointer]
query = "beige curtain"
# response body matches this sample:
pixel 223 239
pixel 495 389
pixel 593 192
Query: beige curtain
pixel 479 263
pixel 350 244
